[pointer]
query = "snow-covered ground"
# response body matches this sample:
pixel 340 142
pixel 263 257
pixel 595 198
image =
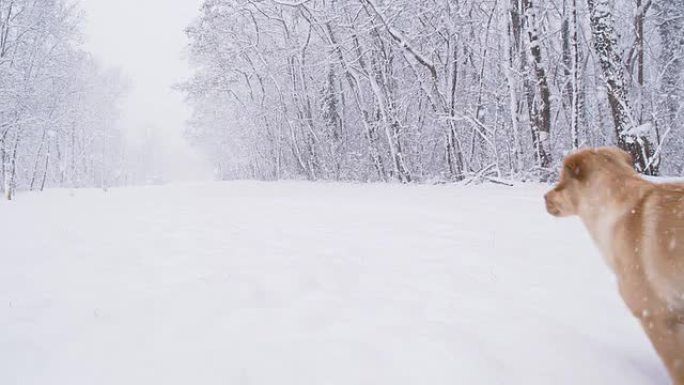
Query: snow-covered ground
pixel 297 283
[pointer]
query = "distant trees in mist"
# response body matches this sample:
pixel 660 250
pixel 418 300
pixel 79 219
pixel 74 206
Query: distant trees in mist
pixel 440 90
pixel 57 108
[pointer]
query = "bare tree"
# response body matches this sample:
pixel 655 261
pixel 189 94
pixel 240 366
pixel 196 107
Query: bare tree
pixel 411 91
pixel 629 133
pixel 539 102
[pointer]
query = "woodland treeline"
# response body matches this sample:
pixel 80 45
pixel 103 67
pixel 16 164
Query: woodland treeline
pixel 438 90
pixel 57 107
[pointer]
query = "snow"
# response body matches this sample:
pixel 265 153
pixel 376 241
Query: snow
pixel 298 283
pixel 642 130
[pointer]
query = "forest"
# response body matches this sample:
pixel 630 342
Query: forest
pixel 58 108
pixel 433 91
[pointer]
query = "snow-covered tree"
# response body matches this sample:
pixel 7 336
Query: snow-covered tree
pixel 57 108
pixel 402 90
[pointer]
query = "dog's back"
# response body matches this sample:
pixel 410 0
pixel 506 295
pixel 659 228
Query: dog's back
pixel 663 242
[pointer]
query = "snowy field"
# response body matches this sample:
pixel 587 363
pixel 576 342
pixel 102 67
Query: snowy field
pixel 298 284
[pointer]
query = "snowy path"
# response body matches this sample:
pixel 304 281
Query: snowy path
pixel 296 283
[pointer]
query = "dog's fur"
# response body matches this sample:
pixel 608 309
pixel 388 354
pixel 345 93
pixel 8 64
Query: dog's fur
pixel 639 228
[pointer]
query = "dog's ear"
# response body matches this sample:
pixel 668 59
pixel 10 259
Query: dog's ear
pixel 574 167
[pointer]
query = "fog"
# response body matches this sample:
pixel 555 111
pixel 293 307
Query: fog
pixel 146 41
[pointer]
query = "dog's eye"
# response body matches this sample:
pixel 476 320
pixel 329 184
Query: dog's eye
pixel 573 171
pixel 568 171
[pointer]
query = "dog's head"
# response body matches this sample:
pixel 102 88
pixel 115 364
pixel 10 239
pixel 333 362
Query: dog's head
pixel 584 175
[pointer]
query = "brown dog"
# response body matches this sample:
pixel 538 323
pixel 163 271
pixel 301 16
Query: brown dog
pixel 639 228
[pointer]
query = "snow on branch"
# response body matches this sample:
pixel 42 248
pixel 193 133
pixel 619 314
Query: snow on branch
pixel 403 43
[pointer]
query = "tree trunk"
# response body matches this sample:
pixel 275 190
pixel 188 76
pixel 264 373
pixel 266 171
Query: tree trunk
pixel 671 31
pixel 574 49
pixel 541 105
pixel 11 168
pixel 605 42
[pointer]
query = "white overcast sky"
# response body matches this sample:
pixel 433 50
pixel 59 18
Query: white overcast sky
pixel 146 40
